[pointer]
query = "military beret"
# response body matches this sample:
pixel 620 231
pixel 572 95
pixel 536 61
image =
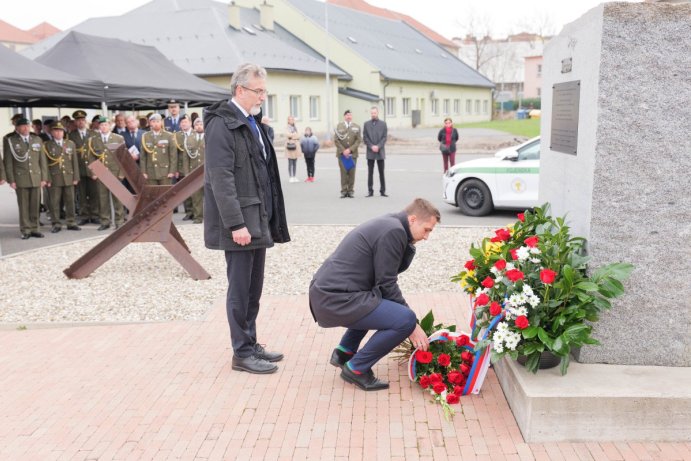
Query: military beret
pixel 58 126
pixel 101 119
pixel 22 121
pixel 16 116
pixel 37 121
pixel 198 120
pixel 78 114
pixel 155 116
pixel 346 112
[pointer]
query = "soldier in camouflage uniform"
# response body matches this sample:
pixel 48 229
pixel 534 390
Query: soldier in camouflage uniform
pixel 347 139
pixel 63 175
pixel 102 147
pixel 87 192
pixel 26 171
pixel 158 160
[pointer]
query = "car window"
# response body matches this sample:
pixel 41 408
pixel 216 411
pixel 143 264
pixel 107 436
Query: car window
pixel 530 152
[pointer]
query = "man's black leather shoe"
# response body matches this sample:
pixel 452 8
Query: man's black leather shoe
pixel 344 195
pixel 253 364
pixel 371 194
pixel 83 222
pixel 187 218
pixel 37 234
pixel 103 227
pixel 25 236
pixel 55 229
pixel 383 194
pixel 266 355
pixel 72 227
pixel 350 195
pixel 339 358
pixel 365 381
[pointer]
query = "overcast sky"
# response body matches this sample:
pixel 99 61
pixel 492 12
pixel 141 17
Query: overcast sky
pixel 448 17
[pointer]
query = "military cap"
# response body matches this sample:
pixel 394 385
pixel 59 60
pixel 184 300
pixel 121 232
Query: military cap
pixel 37 121
pixel 58 126
pixel 22 121
pixel 173 101
pixel 100 119
pixel 155 116
pixel 16 116
pixel 96 118
pixel 78 114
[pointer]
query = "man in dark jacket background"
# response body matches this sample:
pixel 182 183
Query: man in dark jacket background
pixel 243 208
pixel 374 134
pixel 357 288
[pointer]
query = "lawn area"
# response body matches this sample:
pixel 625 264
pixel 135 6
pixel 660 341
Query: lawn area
pixel 526 127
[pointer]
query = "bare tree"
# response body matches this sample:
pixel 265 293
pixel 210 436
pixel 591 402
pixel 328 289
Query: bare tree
pixel 478 32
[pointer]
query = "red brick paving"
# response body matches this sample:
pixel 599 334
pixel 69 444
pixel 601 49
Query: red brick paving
pixel 166 391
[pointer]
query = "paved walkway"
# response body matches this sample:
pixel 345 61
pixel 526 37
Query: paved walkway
pixel 166 391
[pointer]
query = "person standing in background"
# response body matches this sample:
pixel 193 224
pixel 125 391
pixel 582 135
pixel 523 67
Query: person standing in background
pixel 374 134
pixel 309 145
pixel 292 148
pixel 266 123
pixel 448 137
pixel 347 138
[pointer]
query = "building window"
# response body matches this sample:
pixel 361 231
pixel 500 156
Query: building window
pixel 477 106
pixel 447 106
pixel 435 106
pixel 314 107
pixel 269 107
pixel 456 106
pixel 468 106
pixel 485 107
pixel 390 107
pixel 406 106
pixel 539 70
pixel 295 103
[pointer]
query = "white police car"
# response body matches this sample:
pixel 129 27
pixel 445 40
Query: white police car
pixel 508 180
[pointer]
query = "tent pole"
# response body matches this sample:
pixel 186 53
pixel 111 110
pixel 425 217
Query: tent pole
pixel 104 108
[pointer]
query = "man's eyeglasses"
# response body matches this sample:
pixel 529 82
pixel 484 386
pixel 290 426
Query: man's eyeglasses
pixel 257 91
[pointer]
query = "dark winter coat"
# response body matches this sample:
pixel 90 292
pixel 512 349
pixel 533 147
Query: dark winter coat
pixel 441 137
pixel 240 186
pixel 374 133
pixel 309 146
pixel 362 271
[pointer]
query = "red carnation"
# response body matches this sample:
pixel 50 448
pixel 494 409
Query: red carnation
pixel 500 265
pixel 439 387
pixel 522 322
pixel 521 217
pixel 547 276
pixel 514 275
pixel 435 378
pixel 452 399
pixel 532 241
pixel 454 377
pixel 458 390
pixel 465 369
pixel 494 309
pixel 470 265
pixel 482 299
pixel 514 254
pixel 462 340
pixel 423 356
pixel 502 235
pixel 466 356
pixel 488 282
pixel 424 381
pixel 444 360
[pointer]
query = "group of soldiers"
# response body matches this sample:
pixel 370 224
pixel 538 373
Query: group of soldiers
pixel 56 161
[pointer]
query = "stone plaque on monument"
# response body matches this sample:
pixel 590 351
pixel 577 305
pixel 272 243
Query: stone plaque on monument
pixel 565 100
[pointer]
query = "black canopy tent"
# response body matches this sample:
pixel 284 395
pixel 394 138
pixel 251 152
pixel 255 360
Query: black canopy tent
pixel 25 83
pixel 133 76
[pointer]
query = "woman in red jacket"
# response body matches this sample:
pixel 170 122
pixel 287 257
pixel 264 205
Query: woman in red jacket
pixel 447 137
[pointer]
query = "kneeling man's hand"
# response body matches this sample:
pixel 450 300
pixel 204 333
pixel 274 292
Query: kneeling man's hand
pixel 419 338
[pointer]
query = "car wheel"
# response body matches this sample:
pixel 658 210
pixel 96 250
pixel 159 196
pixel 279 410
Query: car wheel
pixel 474 198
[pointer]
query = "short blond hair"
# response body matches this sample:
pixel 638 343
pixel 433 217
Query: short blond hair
pixel 423 209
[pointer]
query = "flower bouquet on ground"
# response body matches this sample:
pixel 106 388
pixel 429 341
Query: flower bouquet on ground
pixel 530 291
pixel 449 369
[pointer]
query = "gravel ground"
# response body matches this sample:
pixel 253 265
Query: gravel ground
pixel 144 283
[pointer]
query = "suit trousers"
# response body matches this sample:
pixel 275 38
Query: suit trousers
pixel 394 322
pixel 29 202
pixel 370 174
pixel 347 177
pixel 245 271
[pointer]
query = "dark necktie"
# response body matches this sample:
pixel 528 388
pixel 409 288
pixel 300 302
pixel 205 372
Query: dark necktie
pixel 253 124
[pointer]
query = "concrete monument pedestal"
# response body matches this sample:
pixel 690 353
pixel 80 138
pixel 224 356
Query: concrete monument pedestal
pixel 615 159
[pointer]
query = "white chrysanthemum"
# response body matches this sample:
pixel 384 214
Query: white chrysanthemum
pixel 527 289
pixel 498 346
pixel 498 279
pixel 481 290
pixel 535 260
pixel 494 270
pixel 535 251
pixel 533 301
pixel 523 253
pixel 510 266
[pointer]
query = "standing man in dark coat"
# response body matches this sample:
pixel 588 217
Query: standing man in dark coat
pixel 374 134
pixel 357 288
pixel 243 207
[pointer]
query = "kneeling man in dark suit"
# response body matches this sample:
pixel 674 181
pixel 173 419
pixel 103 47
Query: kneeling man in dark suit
pixel 357 288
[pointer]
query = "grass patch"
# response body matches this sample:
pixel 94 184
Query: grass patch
pixel 526 127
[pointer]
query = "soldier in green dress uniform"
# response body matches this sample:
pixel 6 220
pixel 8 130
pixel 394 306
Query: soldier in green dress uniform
pixel 190 145
pixel 87 193
pixel 158 159
pixel 63 175
pixel 102 147
pixel 347 139
pixel 26 171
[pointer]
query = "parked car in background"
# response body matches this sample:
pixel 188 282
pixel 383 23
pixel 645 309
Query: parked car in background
pixel 509 180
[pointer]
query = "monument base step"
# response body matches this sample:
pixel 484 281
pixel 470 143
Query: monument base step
pixel 596 402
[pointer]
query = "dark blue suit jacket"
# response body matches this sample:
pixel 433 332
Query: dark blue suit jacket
pixel 170 125
pixel 135 140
